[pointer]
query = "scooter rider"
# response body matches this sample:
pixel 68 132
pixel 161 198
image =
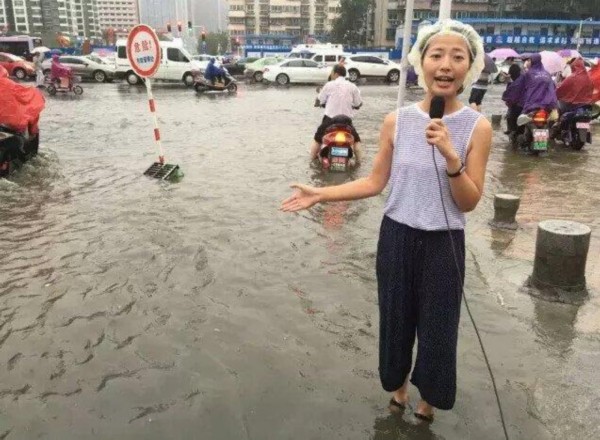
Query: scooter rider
pixel 214 72
pixel 577 89
pixel 59 71
pixel 340 97
pixel 534 89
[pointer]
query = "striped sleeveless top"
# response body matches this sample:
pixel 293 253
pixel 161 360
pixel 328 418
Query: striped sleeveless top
pixel 414 197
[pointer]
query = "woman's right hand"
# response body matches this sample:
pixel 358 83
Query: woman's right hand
pixel 303 198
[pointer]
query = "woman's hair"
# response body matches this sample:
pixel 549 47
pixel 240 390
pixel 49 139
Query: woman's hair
pixel 448 27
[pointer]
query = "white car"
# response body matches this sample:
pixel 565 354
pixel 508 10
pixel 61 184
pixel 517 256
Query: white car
pixel 371 66
pixel 87 67
pixel 297 71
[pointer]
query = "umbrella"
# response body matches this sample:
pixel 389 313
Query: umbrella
pixel 503 53
pixel 490 65
pixel 40 49
pixel 552 62
pixel 568 53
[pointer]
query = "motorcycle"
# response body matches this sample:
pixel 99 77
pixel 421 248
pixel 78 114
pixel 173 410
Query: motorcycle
pixel 202 85
pixel 337 148
pixel 64 85
pixel 533 133
pixel 15 149
pixel 573 127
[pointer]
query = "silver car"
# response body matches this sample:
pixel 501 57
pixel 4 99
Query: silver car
pixel 87 67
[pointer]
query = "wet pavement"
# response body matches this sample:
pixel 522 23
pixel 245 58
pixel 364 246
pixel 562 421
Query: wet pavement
pixel 135 309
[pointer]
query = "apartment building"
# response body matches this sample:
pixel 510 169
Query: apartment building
pixel 295 18
pixel 387 15
pixel 118 15
pixel 48 18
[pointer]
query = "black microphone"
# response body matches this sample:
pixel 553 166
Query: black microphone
pixel 436 108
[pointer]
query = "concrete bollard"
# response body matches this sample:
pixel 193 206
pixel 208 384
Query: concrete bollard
pixel 496 121
pixel 561 250
pixel 505 211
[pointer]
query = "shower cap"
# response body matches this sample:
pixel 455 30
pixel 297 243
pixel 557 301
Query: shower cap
pixel 448 27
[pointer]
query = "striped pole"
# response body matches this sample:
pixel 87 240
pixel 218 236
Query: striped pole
pixel 161 156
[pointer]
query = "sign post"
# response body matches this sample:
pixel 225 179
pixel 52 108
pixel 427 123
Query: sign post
pixel 143 52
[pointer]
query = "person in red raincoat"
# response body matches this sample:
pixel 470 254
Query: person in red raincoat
pixel 577 89
pixel 20 109
pixel 58 70
pixel 20 106
pixel 595 77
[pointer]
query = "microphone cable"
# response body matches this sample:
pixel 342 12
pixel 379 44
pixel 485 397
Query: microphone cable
pixel 460 277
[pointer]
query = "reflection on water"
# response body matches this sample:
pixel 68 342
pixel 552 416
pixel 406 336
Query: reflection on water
pixel 400 427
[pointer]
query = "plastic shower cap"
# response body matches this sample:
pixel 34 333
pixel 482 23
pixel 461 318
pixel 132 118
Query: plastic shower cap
pixel 448 27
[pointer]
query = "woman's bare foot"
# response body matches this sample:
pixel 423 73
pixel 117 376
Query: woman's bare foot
pixel 424 411
pixel 400 397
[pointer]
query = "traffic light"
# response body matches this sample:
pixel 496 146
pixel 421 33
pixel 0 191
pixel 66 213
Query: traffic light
pixel 203 35
pixel 179 26
pixel 169 27
pixel 189 25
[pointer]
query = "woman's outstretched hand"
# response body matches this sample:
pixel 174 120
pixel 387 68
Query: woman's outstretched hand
pixel 303 198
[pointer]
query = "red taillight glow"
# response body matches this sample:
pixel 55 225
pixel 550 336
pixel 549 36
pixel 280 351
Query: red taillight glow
pixel 540 117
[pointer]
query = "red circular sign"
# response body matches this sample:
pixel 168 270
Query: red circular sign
pixel 143 50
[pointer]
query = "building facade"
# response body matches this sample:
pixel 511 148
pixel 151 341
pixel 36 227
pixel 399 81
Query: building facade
pixel 294 19
pixel 387 15
pixel 117 17
pixel 50 18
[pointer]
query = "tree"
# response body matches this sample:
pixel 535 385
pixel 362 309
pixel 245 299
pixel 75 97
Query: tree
pixel 350 27
pixel 559 9
pixel 213 40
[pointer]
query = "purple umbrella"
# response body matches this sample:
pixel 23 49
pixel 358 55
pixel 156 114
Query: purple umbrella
pixel 568 53
pixel 503 53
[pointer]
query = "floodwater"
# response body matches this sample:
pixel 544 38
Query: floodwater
pixel 132 308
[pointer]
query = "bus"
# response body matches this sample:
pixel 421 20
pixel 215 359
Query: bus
pixel 19 44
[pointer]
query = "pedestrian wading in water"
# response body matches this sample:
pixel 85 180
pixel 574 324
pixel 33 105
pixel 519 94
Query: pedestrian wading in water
pixel 419 288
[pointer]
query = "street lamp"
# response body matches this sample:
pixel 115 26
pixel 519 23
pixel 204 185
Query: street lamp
pixel 579 33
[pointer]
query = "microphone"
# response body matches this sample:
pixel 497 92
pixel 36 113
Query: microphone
pixel 436 108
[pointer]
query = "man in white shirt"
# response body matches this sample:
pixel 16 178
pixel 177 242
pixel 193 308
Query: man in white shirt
pixel 340 98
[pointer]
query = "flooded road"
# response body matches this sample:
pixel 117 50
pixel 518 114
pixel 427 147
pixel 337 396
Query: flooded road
pixel 131 308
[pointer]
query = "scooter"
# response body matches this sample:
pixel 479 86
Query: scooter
pixel 64 85
pixel 533 133
pixel 15 149
pixel 573 127
pixel 337 148
pixel 202 85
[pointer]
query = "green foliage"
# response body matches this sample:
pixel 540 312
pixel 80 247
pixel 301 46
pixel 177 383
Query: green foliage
pixel 213 40
pixel 559 9
pixel 350 27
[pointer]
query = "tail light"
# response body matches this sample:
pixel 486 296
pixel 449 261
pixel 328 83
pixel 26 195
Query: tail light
pixel 540 117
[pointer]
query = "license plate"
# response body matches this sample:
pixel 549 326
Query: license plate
pixel 340 152
pixel 585 125
pixel 540 139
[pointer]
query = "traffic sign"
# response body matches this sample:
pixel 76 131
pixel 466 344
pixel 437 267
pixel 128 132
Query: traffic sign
pixel 143 50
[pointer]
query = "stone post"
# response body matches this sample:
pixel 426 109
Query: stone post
pixel 505 211
pixel 560 255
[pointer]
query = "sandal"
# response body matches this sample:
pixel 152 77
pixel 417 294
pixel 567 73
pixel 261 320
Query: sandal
pixel 395 404
pixel 426 418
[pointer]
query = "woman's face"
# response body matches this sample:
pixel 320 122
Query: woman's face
pixel 445 64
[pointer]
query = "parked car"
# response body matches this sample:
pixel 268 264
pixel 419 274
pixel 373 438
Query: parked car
pixel 371 66
pixel 297 71
pixel 87 67
pixel 255 69
pixel 238 67
pixel 16 66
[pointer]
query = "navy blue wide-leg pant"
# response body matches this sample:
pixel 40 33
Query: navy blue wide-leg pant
pixel 420 294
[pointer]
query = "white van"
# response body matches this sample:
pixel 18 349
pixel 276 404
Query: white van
pixel 176 64
pixel 327 54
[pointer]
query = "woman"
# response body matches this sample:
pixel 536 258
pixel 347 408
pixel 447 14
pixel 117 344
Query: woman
pixel 418 282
